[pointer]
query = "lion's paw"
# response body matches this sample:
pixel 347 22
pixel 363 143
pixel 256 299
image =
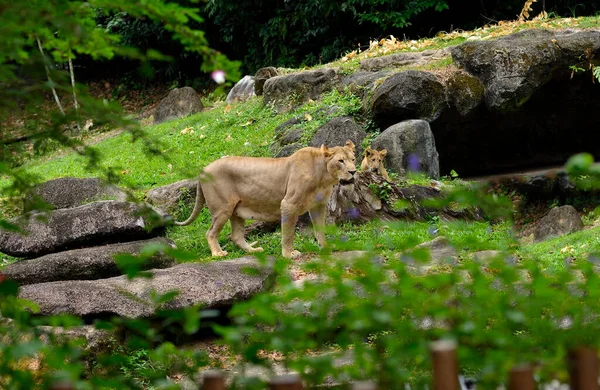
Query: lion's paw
pixel 220 254
pixel 293 254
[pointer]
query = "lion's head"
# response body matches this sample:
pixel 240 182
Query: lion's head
pixel 373 160
pixel 341 162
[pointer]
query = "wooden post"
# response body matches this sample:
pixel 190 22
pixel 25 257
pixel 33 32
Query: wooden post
pixel 286 382
pixel 583 368
pixel 445 365
pixel 213 380
pixel 62 385
pixel 521 378
pixel 364 385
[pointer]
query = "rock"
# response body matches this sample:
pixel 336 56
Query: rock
pixel 410 94
pixel 517 65
pixel 362 83
pixel 242 90
pixel 351 256
pixel 558 222
pixel 337 131
pixel 214 285
pixel 261 77
pixel 485 257
pixel 96 340
pixel 440 253
pixel 179 102
pixel 411 147
pixel 286 135
pixel 85 264
pixel 69 192
pixel 78 227
pixel 288 150
pixel 403 59
pixel 286 92
pixel 169 197
pixel 464 92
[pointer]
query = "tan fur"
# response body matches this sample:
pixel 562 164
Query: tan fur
pixel 271 189
pixel 373 162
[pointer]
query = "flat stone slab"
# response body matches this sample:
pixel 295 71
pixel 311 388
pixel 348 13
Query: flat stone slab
pixel 67 192
pixel 91 224
pixel 85 264
pixel 212 285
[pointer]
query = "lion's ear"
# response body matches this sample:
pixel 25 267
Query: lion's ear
pixel 326 152
pixel 350 144
pixel 368 151
pixel 383 152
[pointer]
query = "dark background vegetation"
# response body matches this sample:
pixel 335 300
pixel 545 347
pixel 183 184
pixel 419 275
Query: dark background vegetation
pixel 286 33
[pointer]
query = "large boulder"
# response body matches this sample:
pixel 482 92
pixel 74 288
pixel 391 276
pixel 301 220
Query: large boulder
pixel 169 197
pixel 261 76
pixel 212 285
pixel 515 66
pixel 558 222
pixel 411 146
pixel 69 192
pixel 362 83
pixel 179 102
pixel 78 227
pixel 337 131
pixel 288 91
pixel 86 264
pixel 411 94
pixel 464 92
pixel 242 90
pixel 288 138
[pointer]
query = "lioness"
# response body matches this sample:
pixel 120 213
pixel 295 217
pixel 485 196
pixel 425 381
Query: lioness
pixel 269 189
pixel 373 161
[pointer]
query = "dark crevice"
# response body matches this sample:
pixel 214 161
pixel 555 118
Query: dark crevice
pixel 558 121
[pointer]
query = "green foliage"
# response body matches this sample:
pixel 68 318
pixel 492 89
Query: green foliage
pixel 383 316
pixel 307 33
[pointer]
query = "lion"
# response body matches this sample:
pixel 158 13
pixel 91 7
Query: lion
pixel 373 162
pixel 271 189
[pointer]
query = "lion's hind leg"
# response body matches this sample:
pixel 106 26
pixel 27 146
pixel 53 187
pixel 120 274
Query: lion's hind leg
pixel 212 235
pixel 237 235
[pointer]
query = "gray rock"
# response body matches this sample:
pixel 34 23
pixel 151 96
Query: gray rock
pixel 79 227
pixel 242 90
pixel 288 150
pixel 85 264
pixel 288 91
pixel 212 285
pixel 513 67
pixel 261 77
pixel 558 222
pixel 411 146
pixel 464 92
pixel 410 94
pixel 69 192
pixel 440 253
pixel 169 197
pixel 403 59
pixel 96 340
pixel 337 131
pixel 361 83
pixel 179 102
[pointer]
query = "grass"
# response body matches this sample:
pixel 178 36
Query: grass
pixel 556 253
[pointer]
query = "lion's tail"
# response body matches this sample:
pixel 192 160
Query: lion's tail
pixel 197 207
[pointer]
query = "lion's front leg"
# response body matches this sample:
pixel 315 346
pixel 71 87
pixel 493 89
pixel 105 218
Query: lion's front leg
pixel 317 216
pixel 289 218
